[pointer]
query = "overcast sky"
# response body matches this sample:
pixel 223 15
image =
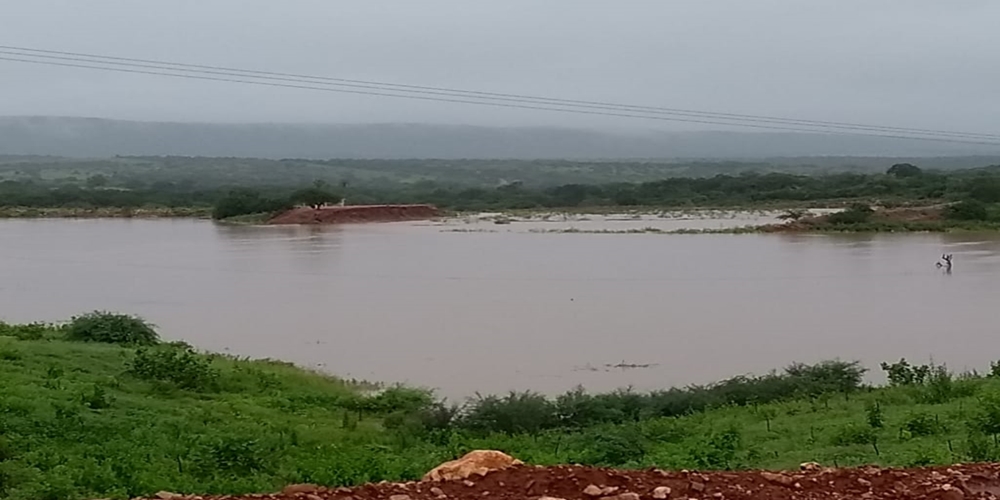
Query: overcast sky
pixel 914 63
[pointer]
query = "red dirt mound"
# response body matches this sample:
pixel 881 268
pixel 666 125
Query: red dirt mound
pixel 356 213
pixel 960 482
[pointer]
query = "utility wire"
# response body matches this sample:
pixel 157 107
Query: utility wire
pixel 374 90
pixel 502 96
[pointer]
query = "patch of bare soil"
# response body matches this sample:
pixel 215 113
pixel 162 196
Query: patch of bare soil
pixel 520 482
pixel 355 214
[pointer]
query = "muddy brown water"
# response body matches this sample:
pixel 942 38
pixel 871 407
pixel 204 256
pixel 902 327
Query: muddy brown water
pixel 491 312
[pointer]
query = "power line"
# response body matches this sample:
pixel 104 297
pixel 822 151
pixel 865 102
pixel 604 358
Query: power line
pixel 502 96
pixel 234 76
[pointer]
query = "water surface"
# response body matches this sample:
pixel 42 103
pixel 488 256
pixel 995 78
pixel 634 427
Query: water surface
pixel 491 312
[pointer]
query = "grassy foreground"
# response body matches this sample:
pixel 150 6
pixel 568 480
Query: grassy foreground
pixel 100 408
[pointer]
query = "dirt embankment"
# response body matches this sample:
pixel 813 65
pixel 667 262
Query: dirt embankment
pixel 355 213
pixel 962 482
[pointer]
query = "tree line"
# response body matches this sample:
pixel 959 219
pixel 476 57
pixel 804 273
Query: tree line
pixel 900 183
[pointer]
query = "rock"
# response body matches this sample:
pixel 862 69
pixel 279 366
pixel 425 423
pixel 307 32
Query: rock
pixel 312 496
pixel 661 492
pixel 717 495
pixel 468 483
pixel 697 487
pixel 864 482
pixel 592 490
pixel 949 492
pixel 623 496
pixel 399 497
pixel 550 498
pixel 810 466
pixel 609 490
pixel 478 462
pixel 293 489
pixel 166 495
pixel 781 479
pixel 437 491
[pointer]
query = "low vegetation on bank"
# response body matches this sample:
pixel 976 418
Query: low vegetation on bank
pixel 900 185
pixel 101 407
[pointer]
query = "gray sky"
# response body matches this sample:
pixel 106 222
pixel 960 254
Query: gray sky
pixel 914 63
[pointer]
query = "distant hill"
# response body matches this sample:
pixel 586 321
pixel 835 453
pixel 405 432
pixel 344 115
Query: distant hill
pixel 91 137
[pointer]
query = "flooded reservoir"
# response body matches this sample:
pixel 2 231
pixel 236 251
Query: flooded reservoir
pixel 478 306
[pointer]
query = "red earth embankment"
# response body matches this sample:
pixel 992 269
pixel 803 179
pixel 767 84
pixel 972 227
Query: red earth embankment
pixel 959 482
pixel 355 213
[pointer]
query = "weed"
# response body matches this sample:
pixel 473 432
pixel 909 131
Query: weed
pixel 180 367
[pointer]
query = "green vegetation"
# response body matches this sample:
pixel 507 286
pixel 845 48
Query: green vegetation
pixel 118 414
pixel 231 188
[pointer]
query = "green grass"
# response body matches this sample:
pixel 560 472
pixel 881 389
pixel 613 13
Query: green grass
pixel 80 420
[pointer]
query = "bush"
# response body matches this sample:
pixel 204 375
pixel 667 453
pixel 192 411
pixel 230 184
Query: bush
pixel 111 328
pixel 987 417
pixel 31 331
pixel 854 434
pixel 244 201
pixel 614 447
pixel 902 373
pixel 516 413
pixel 923 424
pixel 180 367
pixel 719 452
pixel 857 213
pixel 942 387
pixel 903 170
pixel 968 210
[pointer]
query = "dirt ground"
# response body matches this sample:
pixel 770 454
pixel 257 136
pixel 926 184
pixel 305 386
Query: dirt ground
pixel 957 482
pixel 356 213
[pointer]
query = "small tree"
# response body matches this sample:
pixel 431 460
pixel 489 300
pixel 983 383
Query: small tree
pixel 904 170
pixel 314 197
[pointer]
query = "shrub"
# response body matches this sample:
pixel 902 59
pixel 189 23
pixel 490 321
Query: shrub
pixel 967 210
pixel 873 414
pixel 942 387
pixel 854 434
pixel 923 424
pixel 987 417
pixel 719 452
pixel 614 447
pixel 857 213
pixel 516 413
pixel 31 331
pixel 180 367
pixel 903 170
pixel 902 373
pixel 244 201
pixel 111 328
pixel 97 398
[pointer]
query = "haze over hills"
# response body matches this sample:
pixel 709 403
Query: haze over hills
pixel 92 137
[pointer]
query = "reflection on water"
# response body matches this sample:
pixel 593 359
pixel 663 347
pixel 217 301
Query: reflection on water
pixel 491 312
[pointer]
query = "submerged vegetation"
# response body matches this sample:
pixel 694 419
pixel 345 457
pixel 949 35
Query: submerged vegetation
pixel 100 407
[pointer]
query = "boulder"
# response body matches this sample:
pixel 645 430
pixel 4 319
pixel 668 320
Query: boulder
pixel 479 462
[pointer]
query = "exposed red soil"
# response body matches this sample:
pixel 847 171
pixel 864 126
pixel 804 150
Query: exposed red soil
pixel 958 482
pixel 355 213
